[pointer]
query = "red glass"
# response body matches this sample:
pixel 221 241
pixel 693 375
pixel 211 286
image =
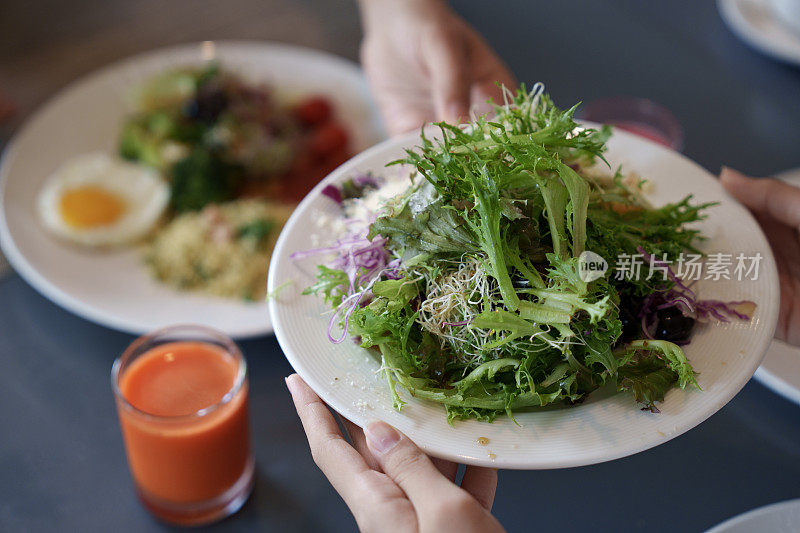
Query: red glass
pixel 639 116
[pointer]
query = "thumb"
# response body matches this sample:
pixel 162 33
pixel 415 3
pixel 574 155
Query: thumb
pixel 484 91
pixel 776 199
pixel 450 78
pixel 407 465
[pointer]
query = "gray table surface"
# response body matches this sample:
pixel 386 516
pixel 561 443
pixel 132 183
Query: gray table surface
pixel 62 465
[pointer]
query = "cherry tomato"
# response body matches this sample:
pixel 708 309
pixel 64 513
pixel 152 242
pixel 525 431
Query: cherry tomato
pixel 334 159
pixel 299 179
pixel 327 139
pixel 314 110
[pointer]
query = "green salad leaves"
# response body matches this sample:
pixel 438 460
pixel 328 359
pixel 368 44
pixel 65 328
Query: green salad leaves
pixel 479 303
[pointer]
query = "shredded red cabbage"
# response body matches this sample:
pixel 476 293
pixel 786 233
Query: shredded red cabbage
pixel 684 298
pixel 352 188
pixel 363 261
pixel 332 192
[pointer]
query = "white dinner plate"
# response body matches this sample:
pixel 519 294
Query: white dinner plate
pixel 780 370
pixel 757 24
pixel 113 288
pixel 607 426
pixel 783 517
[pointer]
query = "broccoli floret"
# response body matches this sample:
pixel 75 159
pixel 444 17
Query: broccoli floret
pixel 202 178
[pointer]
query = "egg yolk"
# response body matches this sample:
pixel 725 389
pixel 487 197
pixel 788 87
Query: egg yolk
pixel 90 206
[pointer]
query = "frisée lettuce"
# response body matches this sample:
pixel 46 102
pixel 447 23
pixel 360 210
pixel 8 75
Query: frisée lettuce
pixel 468 284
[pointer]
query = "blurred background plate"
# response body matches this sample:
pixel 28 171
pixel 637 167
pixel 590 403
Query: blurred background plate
pixel 607 426
pixel 113 288
pixel 762 25
pixel 781 517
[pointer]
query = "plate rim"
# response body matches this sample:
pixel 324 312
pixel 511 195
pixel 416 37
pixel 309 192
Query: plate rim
pixel 325 393
pixel 27 271
pixel 758 512
pixel 776 383
pixel 763 42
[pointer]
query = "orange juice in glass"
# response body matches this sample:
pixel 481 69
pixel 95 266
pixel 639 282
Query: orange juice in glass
pixel 181 396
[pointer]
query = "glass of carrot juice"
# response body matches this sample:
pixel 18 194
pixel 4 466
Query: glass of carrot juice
pixel 181 396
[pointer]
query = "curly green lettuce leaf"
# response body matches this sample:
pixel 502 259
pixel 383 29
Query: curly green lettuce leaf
pixel 651 368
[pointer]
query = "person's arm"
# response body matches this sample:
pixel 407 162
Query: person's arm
pixel 425 63
pixel 776 206
pixel 387 482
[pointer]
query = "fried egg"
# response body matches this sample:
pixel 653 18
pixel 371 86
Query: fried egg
pixel 99 200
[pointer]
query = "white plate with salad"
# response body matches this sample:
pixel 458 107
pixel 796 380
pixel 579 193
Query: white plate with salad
pixel 481 293
pixel 151 192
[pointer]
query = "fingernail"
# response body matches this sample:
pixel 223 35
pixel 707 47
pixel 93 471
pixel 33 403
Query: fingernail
pixel 381 436
pixel 729 174
pixel 289 383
